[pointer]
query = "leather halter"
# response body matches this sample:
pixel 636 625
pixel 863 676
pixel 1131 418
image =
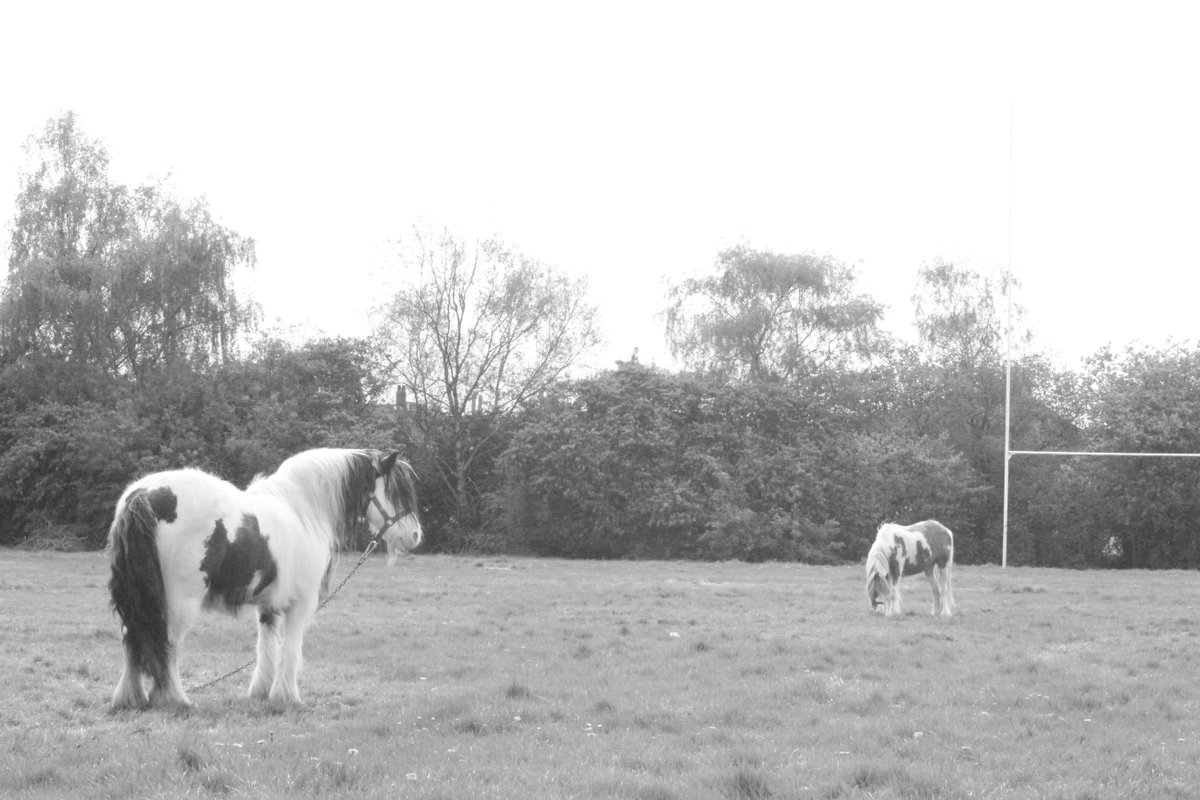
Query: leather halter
pixel 388 521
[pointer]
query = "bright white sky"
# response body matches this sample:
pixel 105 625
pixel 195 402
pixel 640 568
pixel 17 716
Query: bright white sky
pixel 630 141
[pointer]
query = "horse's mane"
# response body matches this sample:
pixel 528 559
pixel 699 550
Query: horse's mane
pixel 327 488
pixel 883 535
pixel 401 486
pixel 878 561
pixel 877 557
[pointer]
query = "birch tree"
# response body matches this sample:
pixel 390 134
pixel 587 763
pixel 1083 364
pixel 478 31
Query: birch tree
pixel 109 276
pixel 761 314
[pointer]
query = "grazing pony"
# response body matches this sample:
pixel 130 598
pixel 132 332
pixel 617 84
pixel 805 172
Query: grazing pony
pixel 185 540
pixel 901 550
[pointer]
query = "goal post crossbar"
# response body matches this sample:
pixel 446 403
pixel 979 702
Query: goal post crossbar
pixel 1094 453
pixel 1008 454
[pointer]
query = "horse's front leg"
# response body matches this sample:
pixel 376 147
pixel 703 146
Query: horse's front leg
pixel 266 654
pixel 286 687
pixel 893 608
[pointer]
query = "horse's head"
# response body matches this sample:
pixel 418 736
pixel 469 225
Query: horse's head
pixel 878 592
pixel 392 507
pixel 879 584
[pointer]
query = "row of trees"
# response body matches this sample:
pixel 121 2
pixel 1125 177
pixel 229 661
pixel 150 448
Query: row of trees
pixel 796 426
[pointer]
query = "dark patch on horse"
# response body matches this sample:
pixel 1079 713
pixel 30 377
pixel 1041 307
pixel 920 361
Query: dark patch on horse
pixel 894 567
pixel 942 542
pixel 268 617
pixel 921 561
pixel 163 503
pixel 898 559
pixel 229 566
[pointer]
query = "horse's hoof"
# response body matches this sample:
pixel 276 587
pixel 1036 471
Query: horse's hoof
pixel 118 707
pixel 170 702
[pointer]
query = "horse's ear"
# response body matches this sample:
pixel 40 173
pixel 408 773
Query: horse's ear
pixel 387 463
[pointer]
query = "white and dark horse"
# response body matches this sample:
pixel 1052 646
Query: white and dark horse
pixel 184 540
pixel 901 550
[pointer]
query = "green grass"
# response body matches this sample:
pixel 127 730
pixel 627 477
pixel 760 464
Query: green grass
pixel 448 678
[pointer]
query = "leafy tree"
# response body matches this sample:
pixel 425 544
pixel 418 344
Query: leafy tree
pixel 62 468
pixel 69 217
pixel 72 437
pixel 288 397
pixel 961 315
pixel 955 379
pixel 173 301
pixel 1147 400
pixel 607 470
pixel 477 330
pixel 1058 513
pixel 763 314
pixel 122 279
pixel 641 463
pixel 962 325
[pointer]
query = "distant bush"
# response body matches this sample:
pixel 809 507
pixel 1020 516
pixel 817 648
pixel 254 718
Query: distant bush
pixel 639 463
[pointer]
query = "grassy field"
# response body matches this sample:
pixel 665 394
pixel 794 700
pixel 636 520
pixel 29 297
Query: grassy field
pixel 473 678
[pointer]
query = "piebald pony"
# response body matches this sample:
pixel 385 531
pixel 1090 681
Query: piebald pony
pixel 186 540
pixel 901 550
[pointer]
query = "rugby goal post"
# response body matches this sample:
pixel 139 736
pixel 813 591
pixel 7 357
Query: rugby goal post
pixel 1008 454
pixel 1008 451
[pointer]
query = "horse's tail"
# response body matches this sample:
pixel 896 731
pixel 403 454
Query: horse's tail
pixel 950 578
pixel 136 586
pixel 948 570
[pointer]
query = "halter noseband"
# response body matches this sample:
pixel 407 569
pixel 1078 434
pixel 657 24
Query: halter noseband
pixel 388 521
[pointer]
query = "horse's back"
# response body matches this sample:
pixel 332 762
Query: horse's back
pixel 187 494
pixel 939 541
pixel 187 504
pixel 192 485
pixel 938 535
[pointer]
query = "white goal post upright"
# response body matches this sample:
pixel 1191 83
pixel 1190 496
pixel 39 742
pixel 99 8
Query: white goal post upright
pixel 1008 282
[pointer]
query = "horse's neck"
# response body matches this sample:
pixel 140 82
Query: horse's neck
pixel 877 560
pixel 315 501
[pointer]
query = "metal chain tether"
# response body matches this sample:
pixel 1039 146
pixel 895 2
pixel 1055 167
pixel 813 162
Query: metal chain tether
pixel 366 553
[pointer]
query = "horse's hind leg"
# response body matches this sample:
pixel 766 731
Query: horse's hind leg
pixel 949 583
pixel 267 654
pixel 129 692
pixel 168 690
pixel 947 593
pixel 936 588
